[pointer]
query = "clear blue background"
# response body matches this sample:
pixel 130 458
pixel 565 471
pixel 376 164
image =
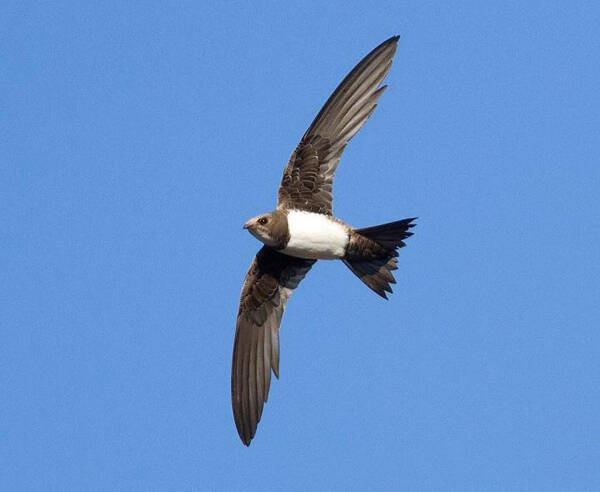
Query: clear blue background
pixel 136 140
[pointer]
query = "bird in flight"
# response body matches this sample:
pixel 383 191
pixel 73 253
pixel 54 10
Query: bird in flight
pixel 302 229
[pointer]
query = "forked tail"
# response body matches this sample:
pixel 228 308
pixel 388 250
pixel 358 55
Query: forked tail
pixel 372 253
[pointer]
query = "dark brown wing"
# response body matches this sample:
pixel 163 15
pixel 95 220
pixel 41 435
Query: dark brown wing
pixel 268 284
pixel 308 176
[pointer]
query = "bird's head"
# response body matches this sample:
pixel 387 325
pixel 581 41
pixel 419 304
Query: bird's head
pixel 270 228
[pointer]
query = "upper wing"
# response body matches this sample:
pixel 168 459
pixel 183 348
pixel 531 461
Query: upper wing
pixel 268 284
pixel 308 176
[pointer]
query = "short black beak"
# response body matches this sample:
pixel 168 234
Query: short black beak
pixel 246 225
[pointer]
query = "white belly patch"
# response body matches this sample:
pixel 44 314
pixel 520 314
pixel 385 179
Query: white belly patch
pixel 315 236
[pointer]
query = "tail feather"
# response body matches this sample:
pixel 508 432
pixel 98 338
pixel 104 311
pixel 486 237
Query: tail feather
pixel 389 235
pixel 372 253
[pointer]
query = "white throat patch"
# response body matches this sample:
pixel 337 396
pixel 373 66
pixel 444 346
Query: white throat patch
pixel 315 236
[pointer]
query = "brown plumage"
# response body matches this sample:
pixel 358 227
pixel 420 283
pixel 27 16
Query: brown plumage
pixel 303 226
pixel 371 253
pixel 308 177
pixel 269 282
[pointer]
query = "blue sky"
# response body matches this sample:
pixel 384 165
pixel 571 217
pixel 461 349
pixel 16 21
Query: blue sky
pixel 137 139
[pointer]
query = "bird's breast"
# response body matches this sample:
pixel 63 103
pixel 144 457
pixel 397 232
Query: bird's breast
pixel 315 236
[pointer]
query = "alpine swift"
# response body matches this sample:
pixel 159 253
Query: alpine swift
pixel 302 229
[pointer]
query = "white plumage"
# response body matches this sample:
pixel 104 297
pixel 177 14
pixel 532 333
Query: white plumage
pixel 315 236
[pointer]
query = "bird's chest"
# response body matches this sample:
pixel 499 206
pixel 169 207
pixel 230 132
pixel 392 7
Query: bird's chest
pixel 315 236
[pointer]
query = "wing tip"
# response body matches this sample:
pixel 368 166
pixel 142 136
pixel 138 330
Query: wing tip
pixel 245 440
pixel 391 41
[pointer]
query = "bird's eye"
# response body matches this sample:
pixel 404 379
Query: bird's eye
pixel 263 220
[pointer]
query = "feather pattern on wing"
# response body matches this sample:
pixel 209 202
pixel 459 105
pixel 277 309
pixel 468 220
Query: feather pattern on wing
pixel 308 177
pixel 270 280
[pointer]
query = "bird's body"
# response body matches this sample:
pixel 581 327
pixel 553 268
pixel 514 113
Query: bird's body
pixel 316 236
pixel 302 229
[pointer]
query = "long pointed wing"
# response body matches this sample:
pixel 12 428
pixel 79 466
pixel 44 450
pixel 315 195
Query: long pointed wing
pixel 308 177
pixel 268 284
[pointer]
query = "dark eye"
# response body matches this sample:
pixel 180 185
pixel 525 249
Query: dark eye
pixel 263 220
